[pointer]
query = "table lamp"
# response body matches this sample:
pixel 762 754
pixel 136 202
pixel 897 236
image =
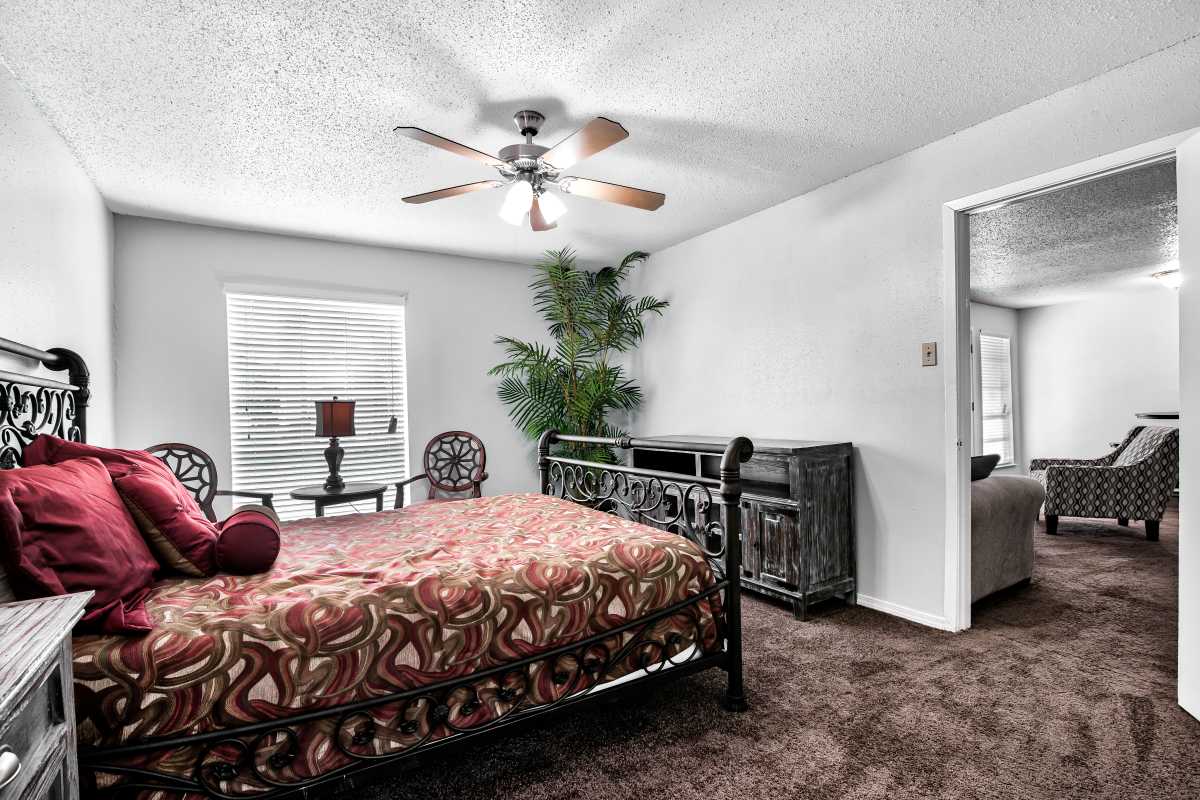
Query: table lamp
pixel 335 418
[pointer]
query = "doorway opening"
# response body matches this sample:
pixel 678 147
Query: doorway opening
pixel 988 362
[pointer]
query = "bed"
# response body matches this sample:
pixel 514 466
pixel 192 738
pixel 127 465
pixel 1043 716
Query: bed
pixel 378 639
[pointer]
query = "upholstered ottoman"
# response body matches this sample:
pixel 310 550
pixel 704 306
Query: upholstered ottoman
pixel 1004 512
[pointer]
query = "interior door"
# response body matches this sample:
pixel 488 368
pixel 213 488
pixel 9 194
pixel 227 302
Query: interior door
pixel 1188 173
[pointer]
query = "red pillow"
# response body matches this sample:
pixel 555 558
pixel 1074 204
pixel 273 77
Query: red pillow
pixel 249 541
pixel 165 511
pixel 177 531
pixel 63 528
pixel 46 449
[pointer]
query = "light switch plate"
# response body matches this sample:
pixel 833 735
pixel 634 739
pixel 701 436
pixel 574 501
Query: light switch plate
pixel 929 354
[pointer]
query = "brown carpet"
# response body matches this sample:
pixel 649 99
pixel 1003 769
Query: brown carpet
pixel 1064 689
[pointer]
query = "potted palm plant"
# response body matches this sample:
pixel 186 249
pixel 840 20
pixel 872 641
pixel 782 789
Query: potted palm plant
pixel 575 382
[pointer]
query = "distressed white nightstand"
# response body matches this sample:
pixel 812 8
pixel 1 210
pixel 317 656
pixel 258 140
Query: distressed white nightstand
pixel 37 708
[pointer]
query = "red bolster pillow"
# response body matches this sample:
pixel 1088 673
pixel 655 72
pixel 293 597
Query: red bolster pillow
pixel 166 513
pixel 64 528
pixel 248 542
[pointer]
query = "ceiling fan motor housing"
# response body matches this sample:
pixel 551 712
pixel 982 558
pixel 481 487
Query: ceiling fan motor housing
pixel 528 122
pixel 522 157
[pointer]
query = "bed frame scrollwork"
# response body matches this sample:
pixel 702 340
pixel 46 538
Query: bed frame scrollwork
pixel 682 504
pixel 30 404
pixel 385 734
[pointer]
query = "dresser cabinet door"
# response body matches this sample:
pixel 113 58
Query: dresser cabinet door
pixel 771 552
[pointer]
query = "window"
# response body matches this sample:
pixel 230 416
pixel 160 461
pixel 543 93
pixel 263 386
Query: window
pixel 287 352
pixel 994 417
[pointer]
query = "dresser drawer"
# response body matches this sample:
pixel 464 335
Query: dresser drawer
pixel 36 735
pixel 37 711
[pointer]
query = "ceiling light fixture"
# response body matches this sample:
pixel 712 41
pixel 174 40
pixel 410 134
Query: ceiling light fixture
pixel 516 203
pixel 1171 278
pixel 552 207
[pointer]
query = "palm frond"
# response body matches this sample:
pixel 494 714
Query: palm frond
pixel 570 385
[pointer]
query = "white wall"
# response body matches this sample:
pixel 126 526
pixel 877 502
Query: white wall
pixel 171 336
pixel 805 320
pixel 1002 321
pixel 55 251
pixel 1088 366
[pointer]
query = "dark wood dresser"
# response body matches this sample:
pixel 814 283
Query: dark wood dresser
pixel 797 513
pixel 37 716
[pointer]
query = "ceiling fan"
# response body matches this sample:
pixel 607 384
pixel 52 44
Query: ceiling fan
pixel 529 170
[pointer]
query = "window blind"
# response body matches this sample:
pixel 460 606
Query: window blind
pixel 995 394
pixel 287 352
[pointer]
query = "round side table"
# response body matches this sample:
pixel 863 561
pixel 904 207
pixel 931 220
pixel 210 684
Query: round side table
pixel 349 493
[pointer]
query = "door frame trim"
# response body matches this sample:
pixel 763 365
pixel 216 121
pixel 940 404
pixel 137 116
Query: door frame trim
pixel 956 262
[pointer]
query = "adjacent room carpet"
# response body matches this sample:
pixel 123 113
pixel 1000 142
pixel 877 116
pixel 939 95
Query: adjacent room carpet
pixel 1063 689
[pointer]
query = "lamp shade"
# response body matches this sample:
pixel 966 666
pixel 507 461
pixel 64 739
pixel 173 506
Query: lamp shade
pixel 335 417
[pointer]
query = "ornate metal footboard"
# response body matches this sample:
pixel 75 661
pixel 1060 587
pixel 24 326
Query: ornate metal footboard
pixel 682 504
pixel 386 733
pixel 383 735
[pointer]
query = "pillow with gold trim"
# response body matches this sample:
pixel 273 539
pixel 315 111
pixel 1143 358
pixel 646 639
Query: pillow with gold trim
pixel 166 513
pixel 177 531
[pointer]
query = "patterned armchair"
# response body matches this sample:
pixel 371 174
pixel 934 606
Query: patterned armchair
pixel 1135 481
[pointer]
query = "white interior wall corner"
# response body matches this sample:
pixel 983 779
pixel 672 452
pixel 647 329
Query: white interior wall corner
pixel 805 320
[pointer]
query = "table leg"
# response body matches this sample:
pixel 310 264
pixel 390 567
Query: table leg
pixel 379 502
pixel 320 508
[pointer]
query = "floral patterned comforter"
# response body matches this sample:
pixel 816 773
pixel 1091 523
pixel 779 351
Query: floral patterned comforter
pixel 366 605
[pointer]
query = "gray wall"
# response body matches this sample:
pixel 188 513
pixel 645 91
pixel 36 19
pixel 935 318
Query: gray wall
pixel 1087 367
pixel 171 337
pixel 55 250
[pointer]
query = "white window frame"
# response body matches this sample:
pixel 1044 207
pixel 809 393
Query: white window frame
pixel 977 447
pixel 310 466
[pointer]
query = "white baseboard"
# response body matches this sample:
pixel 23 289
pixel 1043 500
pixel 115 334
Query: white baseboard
pixel 904 612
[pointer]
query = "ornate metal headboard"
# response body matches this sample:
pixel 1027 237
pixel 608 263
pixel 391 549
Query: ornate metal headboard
pixel 31 404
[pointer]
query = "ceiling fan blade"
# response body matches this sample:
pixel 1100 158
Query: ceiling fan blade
pixel 587 141
pixel 536 220
pixel 613 193
pixel 447 144
pixel 452 191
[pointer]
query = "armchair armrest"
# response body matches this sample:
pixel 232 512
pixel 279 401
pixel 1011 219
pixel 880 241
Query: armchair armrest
pixel 400 488
pixel 1046 463
pixel 266 498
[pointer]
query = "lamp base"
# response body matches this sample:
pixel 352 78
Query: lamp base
pixel 333 457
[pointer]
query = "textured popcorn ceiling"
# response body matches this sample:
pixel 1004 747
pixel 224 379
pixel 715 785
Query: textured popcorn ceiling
pixel 1085 239
pixel 278 116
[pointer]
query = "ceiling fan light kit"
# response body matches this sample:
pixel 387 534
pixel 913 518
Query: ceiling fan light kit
pixel 517 202
pixel 552 207
pixel 529 170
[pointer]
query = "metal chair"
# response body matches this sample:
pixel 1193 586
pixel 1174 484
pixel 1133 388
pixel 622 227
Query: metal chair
pixel 197 471
pixel 454 466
